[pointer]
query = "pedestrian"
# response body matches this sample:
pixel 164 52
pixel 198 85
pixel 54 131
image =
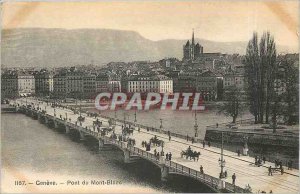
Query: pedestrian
pixel 217 125
pixel 167 156
pixel 154 151
pixel 169 137
pixel 170 156
pixel 208 143
pixel 281 170
pixel 201 169
pixel 270 171
pixel 239 152
pixel 203 144
pixel 264 159
pixel 280 164
pixel 225 173
pixel 233 178
pixel 187 137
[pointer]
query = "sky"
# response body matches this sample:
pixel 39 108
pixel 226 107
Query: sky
pixel 156 20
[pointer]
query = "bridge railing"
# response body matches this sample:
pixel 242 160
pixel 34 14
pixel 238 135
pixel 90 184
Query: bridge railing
pixel 243 122
pixel 205 178
pixel 153 129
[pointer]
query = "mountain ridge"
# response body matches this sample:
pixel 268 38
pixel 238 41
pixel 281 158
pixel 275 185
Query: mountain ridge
pixel 57 47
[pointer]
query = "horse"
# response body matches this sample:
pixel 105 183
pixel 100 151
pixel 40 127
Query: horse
pixel 190 154
pixel 156 141
pixel 128 131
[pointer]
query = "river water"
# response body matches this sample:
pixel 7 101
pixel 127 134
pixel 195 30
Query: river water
pixel 180 122
pixel 31 151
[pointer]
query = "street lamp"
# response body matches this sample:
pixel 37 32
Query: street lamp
pixel 222 161
pixel 196 125
pixel 124 119
pixel 161 125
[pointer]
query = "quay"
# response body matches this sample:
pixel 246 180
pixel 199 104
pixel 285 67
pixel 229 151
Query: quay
pixel 243 167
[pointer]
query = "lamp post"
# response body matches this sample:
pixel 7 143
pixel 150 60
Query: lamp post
pixel 222 161
pixel 196 126
pixel 124 119
pixel 115 117
pixel 161 125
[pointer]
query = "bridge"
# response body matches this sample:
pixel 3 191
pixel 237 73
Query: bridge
pixel 246 172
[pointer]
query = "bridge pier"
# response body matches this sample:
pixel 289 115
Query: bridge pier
pixel 126 156
pixel 82 137
pixel 46 120
pixel 39 117
pixel 55 124
pixel 67 129
pixel 103 146
pixel 164 170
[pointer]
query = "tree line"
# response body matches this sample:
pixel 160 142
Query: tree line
pixel 271 85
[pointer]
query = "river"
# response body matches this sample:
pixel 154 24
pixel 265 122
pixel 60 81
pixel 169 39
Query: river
pixel 33 152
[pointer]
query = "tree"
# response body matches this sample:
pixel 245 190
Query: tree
pixel 260 63
pixel 269 72
pixel 252 76
pixel 232 105
pixel 291 93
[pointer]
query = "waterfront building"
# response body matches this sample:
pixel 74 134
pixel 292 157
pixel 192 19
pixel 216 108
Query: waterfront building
pixel 209 84
pixel 102 81
pixel 9 85
pixel 145 84
pixel 74 83
pixel 43 83
pixel 114 85
pixel 59 84
pixel 16 84
pixel 89 85
pixel 26 84
pixel 185 82
pixel 234 78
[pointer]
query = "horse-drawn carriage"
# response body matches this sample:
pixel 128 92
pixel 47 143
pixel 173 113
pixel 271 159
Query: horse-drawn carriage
pixel 189 153
pixel 81 118
pixel 97 123
pixel 127 131
pixel 155 141
pixel 92 114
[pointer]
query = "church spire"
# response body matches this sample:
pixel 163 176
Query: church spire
pixel 193 42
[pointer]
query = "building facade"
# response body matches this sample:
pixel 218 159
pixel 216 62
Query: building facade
pixel 102 81
pixel 146 84
pixel 209 85
pixel 185 82
pixel 9 85
pixel 89 85
pixel 43 83
pixel 59 85
pixel 235 79
pixel 26 84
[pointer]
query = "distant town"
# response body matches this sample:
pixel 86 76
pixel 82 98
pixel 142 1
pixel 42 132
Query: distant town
pixel 210 74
